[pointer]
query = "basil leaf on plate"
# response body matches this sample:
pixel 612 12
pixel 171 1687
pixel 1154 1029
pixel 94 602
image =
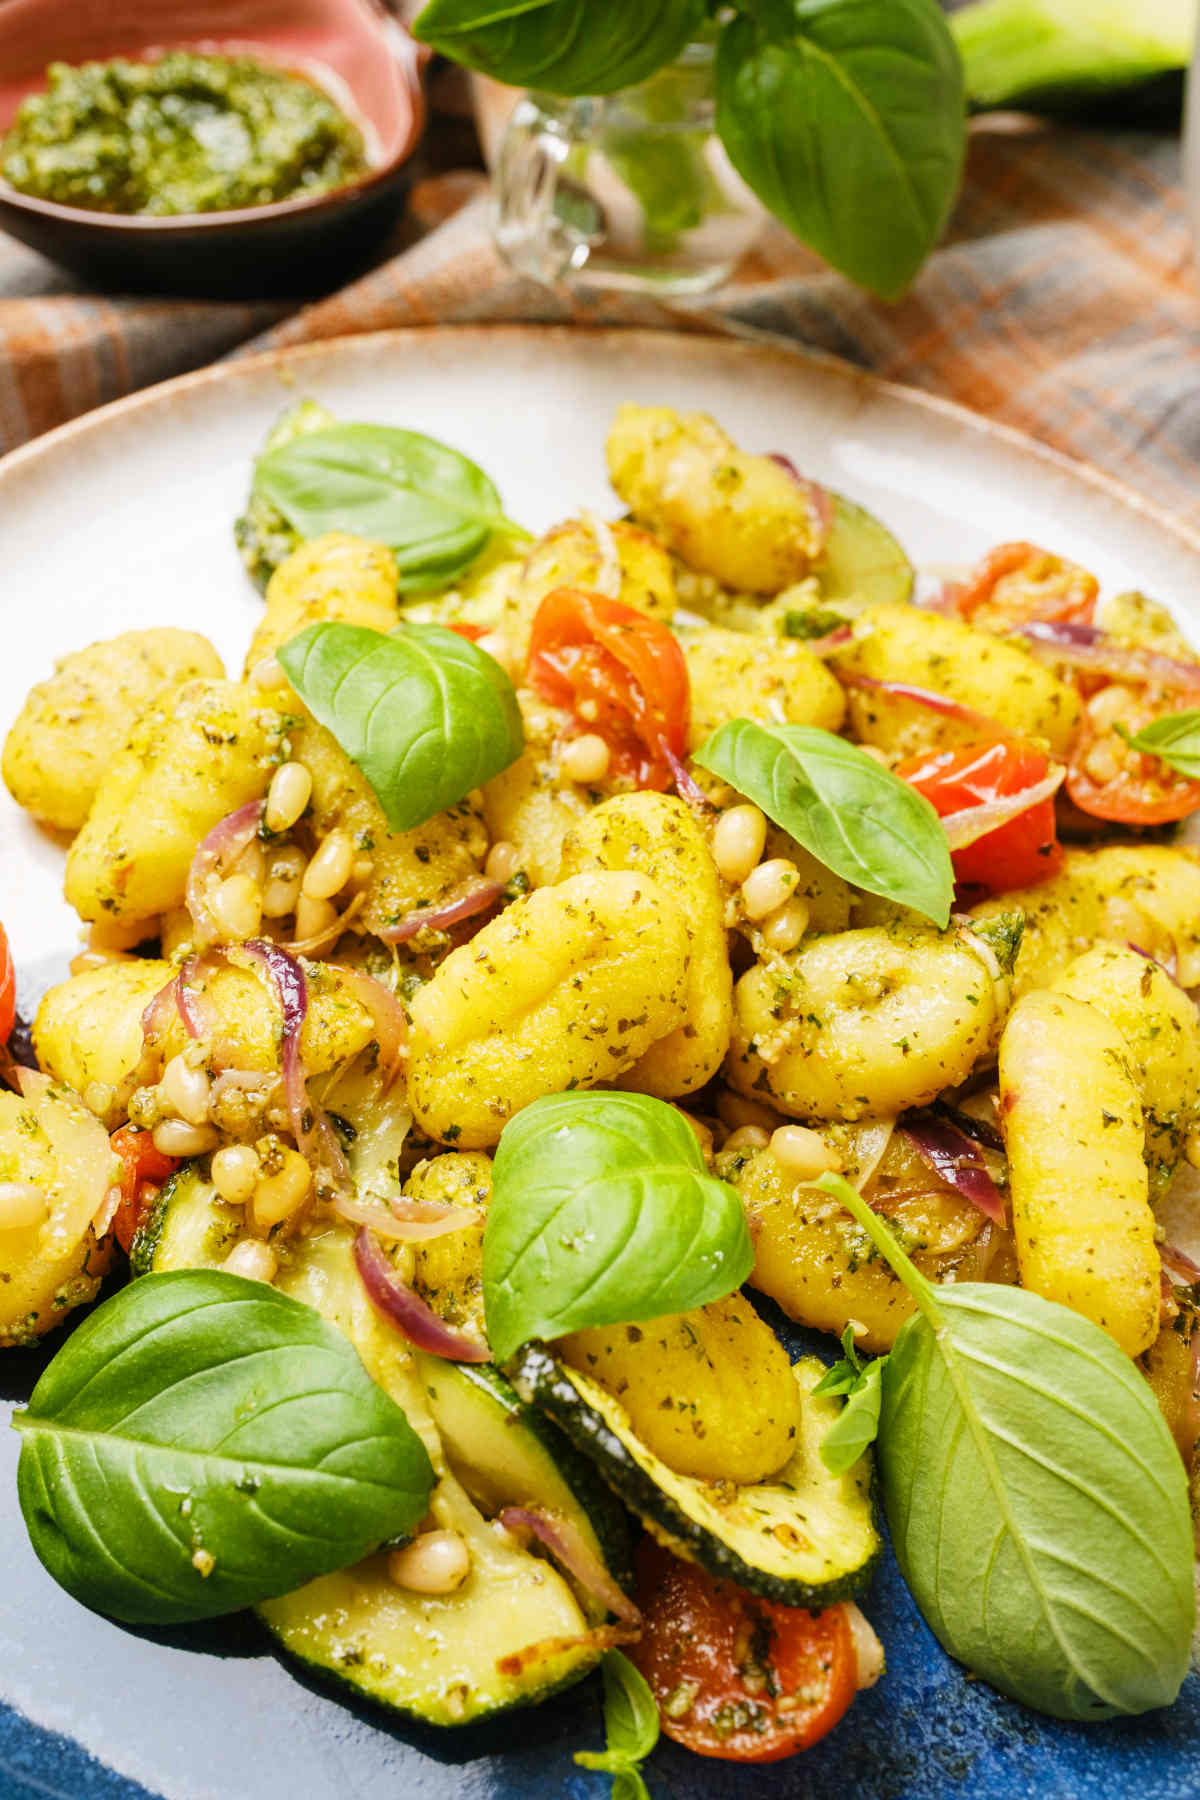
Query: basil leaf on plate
pixel 858 1423
pixel 631 1727
pixel 203 1442
pixel 1037 1503
pixel 432 505
pixel 1174 739
pixel 425 714
pixel 847 118
pixel 852 814
pixel 603 1212
pixel 561 46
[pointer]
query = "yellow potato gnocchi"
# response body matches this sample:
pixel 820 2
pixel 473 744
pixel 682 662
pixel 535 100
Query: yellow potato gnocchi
pixel 776 682
pixel 337 577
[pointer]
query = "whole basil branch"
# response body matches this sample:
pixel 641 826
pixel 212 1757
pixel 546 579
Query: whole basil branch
pixel 845 117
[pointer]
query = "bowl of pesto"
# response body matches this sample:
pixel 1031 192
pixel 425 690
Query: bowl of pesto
pixel 206 147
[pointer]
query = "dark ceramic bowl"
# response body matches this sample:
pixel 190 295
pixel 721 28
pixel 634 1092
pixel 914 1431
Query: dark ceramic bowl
pixel 352 47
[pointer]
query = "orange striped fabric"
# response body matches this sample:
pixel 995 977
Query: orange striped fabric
pixel 1063 302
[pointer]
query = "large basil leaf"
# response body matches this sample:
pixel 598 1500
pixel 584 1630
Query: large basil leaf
pixel 432 505
pixel 425 714
pixel 1174 739
pixel 1037 1503
pixel 602 1212
pixel 561 46
pixel 203 1442
pixel 852 814
pixel 847 118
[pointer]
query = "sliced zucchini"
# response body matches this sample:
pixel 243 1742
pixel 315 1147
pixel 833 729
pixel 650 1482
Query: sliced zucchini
pixel 805 1538
pixel 516 1630
pixel 506 1453
pixel 861 562
pixel 189 1226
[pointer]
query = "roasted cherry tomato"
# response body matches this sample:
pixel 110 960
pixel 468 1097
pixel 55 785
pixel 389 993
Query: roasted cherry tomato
pixel 471 632
pixel 1017 853
pixel 143 1171
pixel 1109 780
pixel 8 989
pixel 620 673
pixel 1018 582
pixel 734 1676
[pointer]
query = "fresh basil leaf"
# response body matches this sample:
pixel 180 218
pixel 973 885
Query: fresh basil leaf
pixel 602 1212
pixel 847 118
pixel 631 1727
pixel 1037 1503
pixel 432 505
pixel 425 714
pixel 852 814
pixel 1174 739
pixel 561 46
pixel 262 534
pixel 857 1426
pixel 840 1377
pixel 203 1442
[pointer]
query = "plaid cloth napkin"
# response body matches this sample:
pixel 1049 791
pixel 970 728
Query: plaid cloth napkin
pixel 1063 302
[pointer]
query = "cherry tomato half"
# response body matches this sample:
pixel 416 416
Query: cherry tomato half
pixel 1016 854
pixel 1109 780
pixel 1018 582
pixel 472 633
pixel 620 673
pixel 8 989
pixel 143 1171
pixel 734 1676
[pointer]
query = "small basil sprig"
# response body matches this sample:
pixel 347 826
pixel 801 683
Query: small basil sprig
pixel 433 506
pixel 846 117
pixel 202 1443
pixel 1174 739
pixel 857 1425
pixel 561 46
pixel 630 1725
pixel 425 714
pixel 602 1213
pixel 852 814
pixel 1037 1503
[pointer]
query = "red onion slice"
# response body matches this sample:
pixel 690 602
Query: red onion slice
pixel 156 1016
pixel 387 1016
pixel 832 640
pixel 223 845
pixel 1087 647
pixel 687 789
pixel 405 1221
pixel 974 822
pixel 954 1156
pixel 440 918
pixel 563 1539
pixel 397 1303
pixel 820 499
pixel 1178 1265
pixel 938 703
pixel 291 990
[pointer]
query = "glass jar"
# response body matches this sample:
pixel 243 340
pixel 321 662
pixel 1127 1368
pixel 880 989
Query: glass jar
pixel 632 190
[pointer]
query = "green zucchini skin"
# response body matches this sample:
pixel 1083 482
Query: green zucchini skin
pixel 188 1227
pixel 660 1498
pixel 861 560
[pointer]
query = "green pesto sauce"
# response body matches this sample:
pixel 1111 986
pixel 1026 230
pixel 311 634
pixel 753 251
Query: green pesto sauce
pixel 183 134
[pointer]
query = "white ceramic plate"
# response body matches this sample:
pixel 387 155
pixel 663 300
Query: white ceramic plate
pixel 124 519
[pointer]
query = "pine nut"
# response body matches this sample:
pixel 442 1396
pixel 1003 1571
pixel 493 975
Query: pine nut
pixel 268 674
pixel 766 888
pixel 1106 707
pixel 99 1098
pixel 585 758
pixel 361 873
pixel 313 918
pixel 236 907
pixel 235 1173
pixel 287 797
pixel 1102 763
pixel 277 1196
pixel 747 1137
pixel 737 842
pixel 329 870
pixel 185 1090
pixel 783 929
pixel 253 1259
pixel 503 861
pixel 803 1154
pixel 437 1562
pixel 497 646
pixel 174 1137
pixel 281 889
pixel 22 1204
